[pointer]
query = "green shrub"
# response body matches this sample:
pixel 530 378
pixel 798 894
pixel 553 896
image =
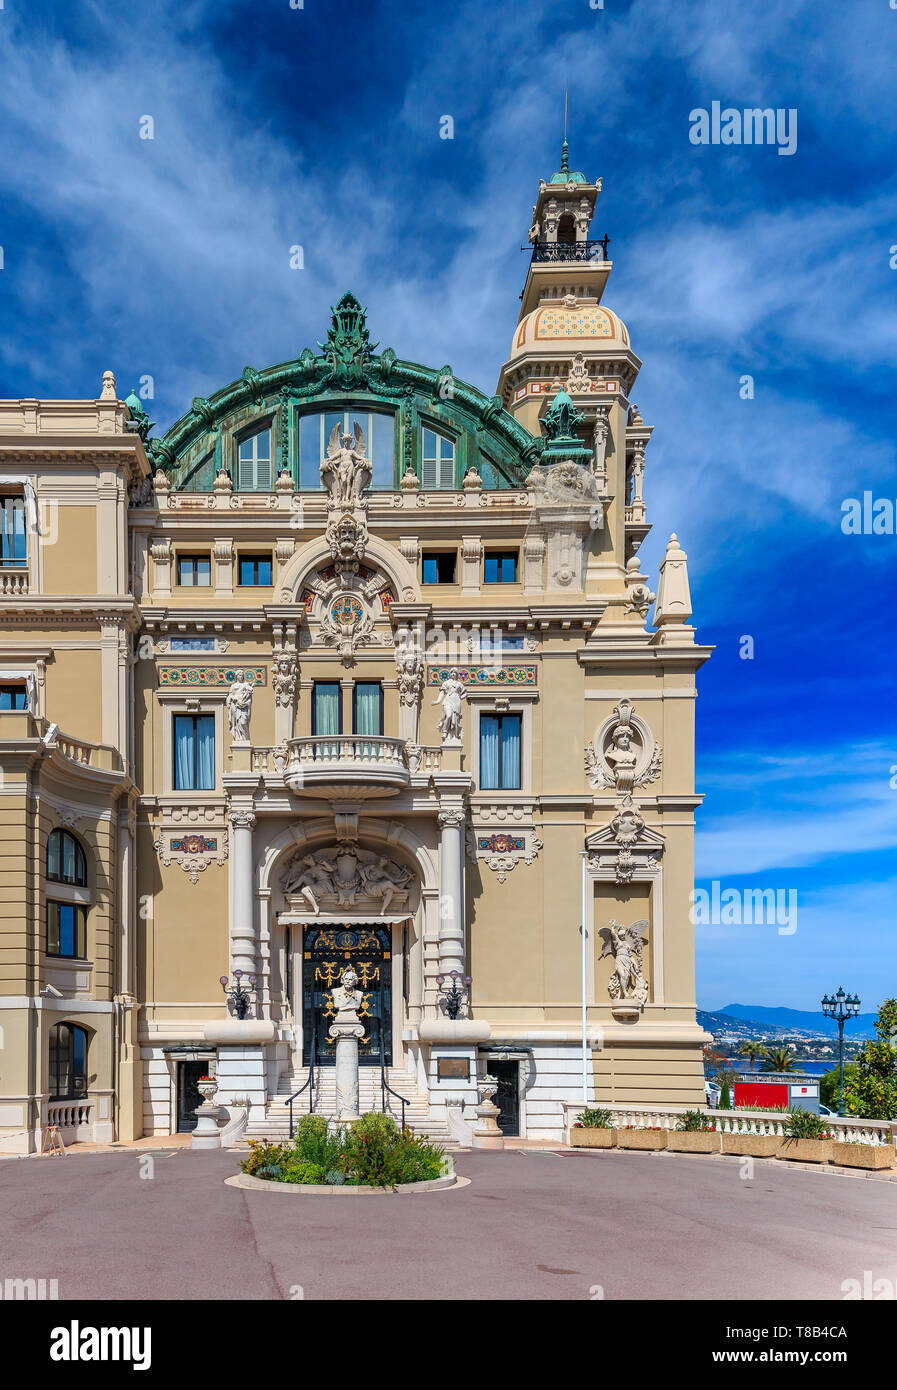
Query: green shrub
pixel 694 1122
pixel 303 1172
pixel 595 1119
pixel 803 1124
pixel 379 1154
pixel 316 1143
pixel 373 1151
pixel 725 1098
pixel 263 1155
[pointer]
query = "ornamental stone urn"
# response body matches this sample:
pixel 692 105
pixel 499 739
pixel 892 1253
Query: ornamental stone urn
pixel 486 1134
pixel 207 1134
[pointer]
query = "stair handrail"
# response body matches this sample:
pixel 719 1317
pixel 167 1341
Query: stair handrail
pixel 310 1083
pixel 385 1086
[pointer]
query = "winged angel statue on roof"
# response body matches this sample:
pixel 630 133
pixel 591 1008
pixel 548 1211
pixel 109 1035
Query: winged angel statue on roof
pixel 625 945
pixel 346 470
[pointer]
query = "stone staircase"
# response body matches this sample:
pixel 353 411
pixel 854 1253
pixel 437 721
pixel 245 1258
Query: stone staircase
pixel 276 1124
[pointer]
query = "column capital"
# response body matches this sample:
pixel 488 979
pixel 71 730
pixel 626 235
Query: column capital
pixel 241 817
pixel 450 818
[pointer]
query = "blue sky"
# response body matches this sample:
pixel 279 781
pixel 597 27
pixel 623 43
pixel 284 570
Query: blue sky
pixel 320 127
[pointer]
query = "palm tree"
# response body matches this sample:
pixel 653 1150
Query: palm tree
pixel 779 1059
pixel 753 1050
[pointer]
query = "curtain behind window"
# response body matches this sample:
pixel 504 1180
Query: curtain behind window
pixel 205 752
pixel 327 706
pixel 489 752
pixel 367 708
pixel 183 752
pixel 510 752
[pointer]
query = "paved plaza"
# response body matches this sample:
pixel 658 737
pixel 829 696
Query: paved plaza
pixel 531 1225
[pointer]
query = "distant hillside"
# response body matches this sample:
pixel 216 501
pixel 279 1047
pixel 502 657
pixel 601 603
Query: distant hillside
pixel 781 1020
pixel 724 1023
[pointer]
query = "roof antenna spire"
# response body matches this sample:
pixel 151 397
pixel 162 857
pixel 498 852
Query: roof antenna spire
pixel 565 154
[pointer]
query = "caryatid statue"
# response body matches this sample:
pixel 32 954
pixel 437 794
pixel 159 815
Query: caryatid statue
pixel 451 694
pixel 239 707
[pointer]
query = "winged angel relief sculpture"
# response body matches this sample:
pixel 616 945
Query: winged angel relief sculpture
pixel 346 469
pixel 625 945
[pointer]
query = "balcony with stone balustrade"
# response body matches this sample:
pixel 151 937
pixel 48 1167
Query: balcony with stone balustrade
pixel 346 765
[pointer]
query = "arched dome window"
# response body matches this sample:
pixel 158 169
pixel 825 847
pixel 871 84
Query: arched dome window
pixel 315 429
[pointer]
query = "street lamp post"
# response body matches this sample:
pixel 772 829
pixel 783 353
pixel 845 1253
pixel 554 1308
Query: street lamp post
pixel 840 1007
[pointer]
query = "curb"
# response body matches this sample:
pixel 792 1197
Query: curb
pixel 249 1183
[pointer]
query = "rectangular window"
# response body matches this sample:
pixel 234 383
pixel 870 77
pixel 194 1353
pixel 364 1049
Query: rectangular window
pixel 500 752
pixel 255 569
pixel 378 428
pixel 67 930
pixel 13 695
pixel 500 567
pixel 439 567
pixel 194 571
pixel 437 460
pixel 326 709
pixel 192 644
pixel 194 752
pixel 255 471
pixel 13 547
pixel 367 708
pixel 492 640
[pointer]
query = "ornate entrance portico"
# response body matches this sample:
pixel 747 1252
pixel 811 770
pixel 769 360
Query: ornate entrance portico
pixel 326 952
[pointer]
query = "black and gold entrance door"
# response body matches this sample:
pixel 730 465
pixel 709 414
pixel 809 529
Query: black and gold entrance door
pixel 326 953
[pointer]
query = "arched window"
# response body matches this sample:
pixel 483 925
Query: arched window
pixel 315 429
pixel 65 859
pixel 68 1062
pixel 566 230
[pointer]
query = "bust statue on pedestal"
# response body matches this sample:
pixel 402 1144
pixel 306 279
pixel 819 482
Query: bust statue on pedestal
pixel 346 1029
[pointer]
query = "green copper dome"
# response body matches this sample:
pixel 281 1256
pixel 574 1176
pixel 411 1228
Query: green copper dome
pixel 565 174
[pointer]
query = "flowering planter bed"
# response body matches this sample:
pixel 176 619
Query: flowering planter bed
pixel 591 1138
pixel 640 1138
pixel 693 1142
pixel 752 1145
pixel 863 1155
pixel 806 1150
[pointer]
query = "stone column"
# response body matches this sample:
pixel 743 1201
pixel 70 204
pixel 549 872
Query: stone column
pixel 242 929
pixel 451 891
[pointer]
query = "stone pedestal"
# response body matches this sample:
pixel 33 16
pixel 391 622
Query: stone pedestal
pixel 207 1134
pixel 486 1133
pixel 347 1035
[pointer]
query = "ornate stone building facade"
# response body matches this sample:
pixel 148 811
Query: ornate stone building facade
pixel 352 665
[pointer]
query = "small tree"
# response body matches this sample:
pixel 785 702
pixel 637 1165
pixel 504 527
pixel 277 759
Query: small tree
pixel 779 1059
pixel 725 1099
pixel 753 1050
pixel 828 1085
pixel 870 1084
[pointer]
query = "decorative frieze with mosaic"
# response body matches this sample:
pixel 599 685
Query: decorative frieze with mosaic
pixel 182 677
pixel 485 675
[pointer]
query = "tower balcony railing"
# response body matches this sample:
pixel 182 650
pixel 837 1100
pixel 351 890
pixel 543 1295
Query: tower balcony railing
pixel 570 251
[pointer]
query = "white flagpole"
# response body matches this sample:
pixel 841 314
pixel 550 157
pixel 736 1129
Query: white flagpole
pixel 585 1035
